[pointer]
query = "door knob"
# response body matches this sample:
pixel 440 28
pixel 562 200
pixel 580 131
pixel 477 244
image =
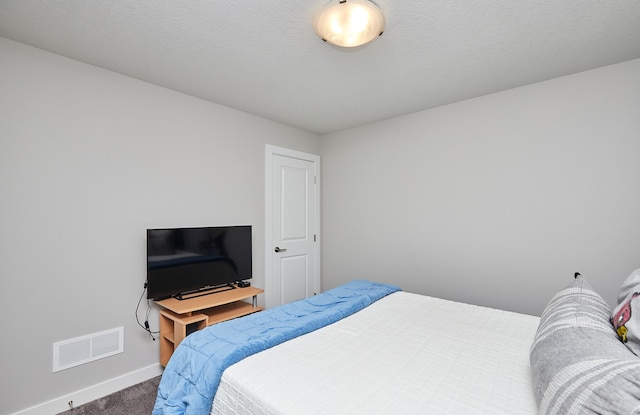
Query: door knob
pixel 278 249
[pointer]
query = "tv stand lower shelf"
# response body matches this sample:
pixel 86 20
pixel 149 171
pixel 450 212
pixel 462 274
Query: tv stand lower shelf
pixel 179 318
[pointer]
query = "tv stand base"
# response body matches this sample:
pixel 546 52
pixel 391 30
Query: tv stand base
pixel 203 292
pixel 178 318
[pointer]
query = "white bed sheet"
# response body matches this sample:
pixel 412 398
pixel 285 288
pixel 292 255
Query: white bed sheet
pixel 404 354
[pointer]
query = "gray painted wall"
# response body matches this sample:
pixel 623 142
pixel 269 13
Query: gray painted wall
pixel 495 200
pixel 88 160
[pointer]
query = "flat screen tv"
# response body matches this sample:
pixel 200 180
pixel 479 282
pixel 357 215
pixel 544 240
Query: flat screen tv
pixel 186 261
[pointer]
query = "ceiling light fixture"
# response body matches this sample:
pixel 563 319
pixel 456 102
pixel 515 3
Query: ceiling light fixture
pixel 349 23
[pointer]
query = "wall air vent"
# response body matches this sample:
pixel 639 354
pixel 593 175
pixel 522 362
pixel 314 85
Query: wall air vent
pixel 85 349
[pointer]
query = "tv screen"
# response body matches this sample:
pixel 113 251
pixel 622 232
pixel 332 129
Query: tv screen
pixel 186 260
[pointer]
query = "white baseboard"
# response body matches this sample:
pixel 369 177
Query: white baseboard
pixel 94 392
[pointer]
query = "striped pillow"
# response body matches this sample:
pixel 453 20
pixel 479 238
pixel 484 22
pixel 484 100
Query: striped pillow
pixel 577 362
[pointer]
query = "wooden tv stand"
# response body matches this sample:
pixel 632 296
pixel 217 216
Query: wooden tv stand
pixel 179 318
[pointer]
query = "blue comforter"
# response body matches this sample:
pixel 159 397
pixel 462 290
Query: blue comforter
pixel 193 373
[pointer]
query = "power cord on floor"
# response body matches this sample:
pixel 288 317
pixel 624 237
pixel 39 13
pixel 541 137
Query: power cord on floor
pixel 145 326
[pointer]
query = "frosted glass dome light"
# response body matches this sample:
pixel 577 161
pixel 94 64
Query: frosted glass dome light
pixel 349 23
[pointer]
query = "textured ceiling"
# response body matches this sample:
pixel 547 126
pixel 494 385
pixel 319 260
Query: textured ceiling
pixel 264 58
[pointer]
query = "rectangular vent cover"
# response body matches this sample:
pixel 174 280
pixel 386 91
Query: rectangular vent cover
pixel 85 349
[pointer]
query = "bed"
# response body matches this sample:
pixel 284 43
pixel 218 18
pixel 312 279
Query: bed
pixel 368 348
pixel 404 354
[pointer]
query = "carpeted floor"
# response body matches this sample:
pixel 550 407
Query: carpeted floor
pixel 134 400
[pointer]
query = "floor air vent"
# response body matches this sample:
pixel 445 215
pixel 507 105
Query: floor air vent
pixel 85 349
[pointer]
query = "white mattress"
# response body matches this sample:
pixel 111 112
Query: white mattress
pixel 405 354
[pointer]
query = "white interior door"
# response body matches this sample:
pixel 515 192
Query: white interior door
pixel 292 222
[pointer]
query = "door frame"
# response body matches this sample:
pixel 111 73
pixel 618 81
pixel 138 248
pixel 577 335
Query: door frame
pixel 270 151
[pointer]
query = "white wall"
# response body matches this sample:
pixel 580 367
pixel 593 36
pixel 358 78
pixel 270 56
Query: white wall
pixel 88 160
pixel 495 200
